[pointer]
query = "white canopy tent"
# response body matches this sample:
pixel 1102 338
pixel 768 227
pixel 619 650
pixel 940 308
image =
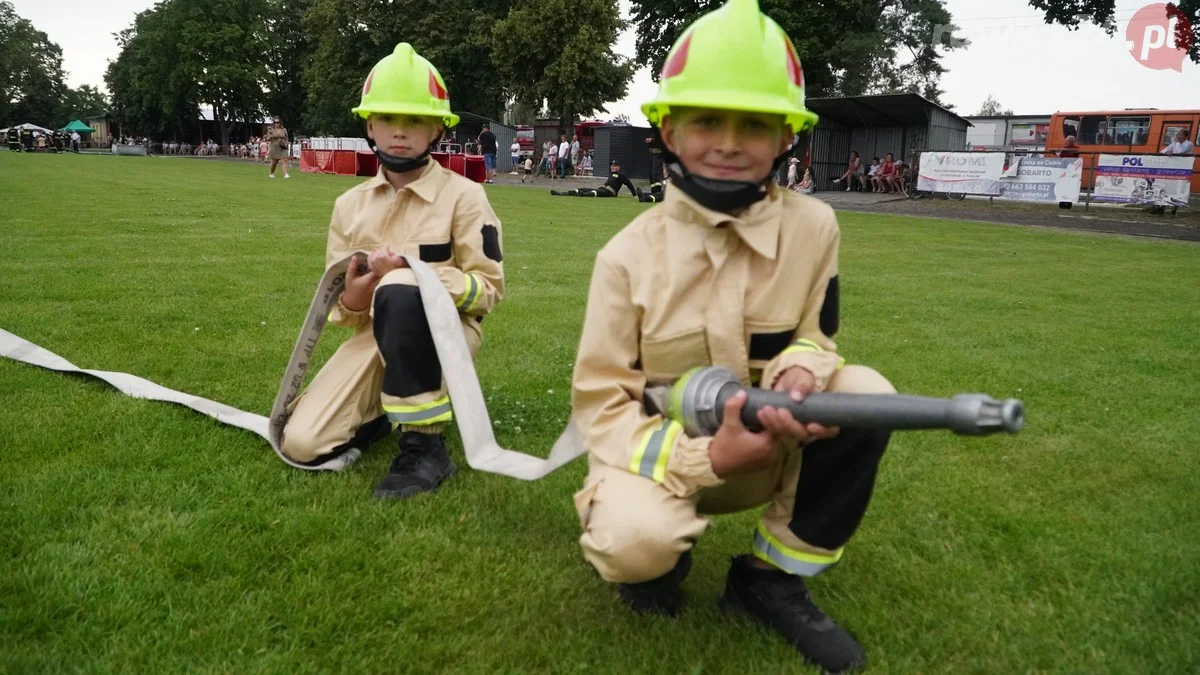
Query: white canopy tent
pixel 29 125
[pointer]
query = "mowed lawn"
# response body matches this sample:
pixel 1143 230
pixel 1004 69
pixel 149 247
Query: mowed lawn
pixel 139 536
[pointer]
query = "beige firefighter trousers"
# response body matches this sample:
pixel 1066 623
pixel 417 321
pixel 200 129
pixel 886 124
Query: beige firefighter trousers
pixel 347 392
pixel 635 530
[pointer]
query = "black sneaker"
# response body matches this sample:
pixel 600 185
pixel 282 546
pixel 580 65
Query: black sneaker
pixel 422 465
pixel 659 596
pixel 782 601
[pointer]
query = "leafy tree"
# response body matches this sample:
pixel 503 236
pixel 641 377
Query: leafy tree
pixel 1073 13
pixel 847 47
pixel 350 36
pixel 992 107
pixel 149 97
pixel 288 51
pixel 579 73
pixel 31 76
pixel 222 45
pixel 82 103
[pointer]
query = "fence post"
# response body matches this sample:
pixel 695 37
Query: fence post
pixel 1087 204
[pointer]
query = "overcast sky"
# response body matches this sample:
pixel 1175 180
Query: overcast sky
pixel 1028 66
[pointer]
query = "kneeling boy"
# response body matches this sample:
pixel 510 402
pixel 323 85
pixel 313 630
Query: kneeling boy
pixel 729 270
pixel 387 373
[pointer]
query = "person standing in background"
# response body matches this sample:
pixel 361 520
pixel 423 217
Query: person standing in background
pixel 277 148
pixel 564 156
pixel 575 155
pixel 487 147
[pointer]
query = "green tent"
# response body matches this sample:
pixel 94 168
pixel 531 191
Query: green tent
pixel 76 125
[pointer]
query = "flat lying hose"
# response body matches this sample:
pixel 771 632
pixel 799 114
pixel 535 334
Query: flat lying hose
pixel 458 368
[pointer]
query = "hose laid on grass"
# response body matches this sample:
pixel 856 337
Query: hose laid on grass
pixel 482 451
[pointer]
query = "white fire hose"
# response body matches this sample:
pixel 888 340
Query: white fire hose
pixel 466 396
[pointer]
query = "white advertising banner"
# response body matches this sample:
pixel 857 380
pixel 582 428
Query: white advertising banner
pixel 966 172
pixel 1048 180
pixel 1140 179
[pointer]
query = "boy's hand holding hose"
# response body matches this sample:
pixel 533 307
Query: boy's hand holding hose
pixel 735 449
pixel 362 277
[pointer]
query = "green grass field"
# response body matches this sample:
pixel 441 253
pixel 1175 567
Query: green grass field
pixel 142 537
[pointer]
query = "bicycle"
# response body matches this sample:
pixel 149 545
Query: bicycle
pixel 911 190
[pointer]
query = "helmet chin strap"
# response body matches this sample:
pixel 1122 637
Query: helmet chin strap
pixel 713 193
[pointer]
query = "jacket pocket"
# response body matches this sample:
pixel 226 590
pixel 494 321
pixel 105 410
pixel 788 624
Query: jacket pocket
pixel 664 359
pixel 435 253
pixel 765 339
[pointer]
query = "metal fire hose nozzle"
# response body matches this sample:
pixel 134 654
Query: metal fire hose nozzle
pixel 697 401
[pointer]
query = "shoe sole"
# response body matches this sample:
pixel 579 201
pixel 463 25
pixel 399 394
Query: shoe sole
pixel 410 492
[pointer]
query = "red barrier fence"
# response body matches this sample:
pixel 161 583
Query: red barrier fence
pixel 360 163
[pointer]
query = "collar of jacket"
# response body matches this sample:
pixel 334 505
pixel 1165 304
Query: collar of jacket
pixel 425 186
pixel 758 225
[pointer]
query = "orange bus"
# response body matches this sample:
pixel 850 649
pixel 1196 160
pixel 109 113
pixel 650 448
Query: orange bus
pixel 1118 132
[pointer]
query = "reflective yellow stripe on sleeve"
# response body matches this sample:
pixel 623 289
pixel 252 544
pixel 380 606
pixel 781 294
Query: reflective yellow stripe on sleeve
pixel 470 292
pixel 650 458
pixel 806 345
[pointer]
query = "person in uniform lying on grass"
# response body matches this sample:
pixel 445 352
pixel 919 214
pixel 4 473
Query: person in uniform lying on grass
pixel 730 270
pixel 611 187
pixel 387 373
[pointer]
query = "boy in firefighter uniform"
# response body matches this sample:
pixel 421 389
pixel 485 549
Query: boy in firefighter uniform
pixel 729 270
pixel 387 373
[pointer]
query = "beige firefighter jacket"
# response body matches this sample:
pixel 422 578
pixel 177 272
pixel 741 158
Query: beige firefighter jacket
pixel 442 218
pixel 683 286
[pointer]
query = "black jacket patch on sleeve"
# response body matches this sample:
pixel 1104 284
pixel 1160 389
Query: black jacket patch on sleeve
pixel 829 310
pixel 766 346
pixel 434 253
pixel 491 243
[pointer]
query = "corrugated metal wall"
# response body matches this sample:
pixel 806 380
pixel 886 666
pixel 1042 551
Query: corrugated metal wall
pixel 627 146
pixel 830 148
pixel 946 131
pixel 871 142
pixel 505 135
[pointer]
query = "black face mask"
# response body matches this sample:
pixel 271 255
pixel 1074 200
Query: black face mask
pixel 712 193
pixel 401 164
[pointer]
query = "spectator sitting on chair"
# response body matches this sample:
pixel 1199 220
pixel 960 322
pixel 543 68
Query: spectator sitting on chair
pixel 885 178
pixel 872 173
pixel 853 173
pixel 806 185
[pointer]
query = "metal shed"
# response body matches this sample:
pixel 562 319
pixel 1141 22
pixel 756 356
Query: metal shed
pixel 627 144
pixel 901 124
pixel 468 128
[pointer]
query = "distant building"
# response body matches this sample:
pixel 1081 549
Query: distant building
pixel 1008 132
pixel 101 130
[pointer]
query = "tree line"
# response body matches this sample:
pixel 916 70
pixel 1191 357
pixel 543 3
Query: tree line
pixel 31 78
pixel 305 60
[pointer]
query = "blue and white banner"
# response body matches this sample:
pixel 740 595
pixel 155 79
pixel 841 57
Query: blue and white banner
pixel 972 173
pixel 1149 180
pixel 1048 180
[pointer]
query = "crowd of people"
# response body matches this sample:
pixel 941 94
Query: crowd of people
pixel 889 176
pixel 34 140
